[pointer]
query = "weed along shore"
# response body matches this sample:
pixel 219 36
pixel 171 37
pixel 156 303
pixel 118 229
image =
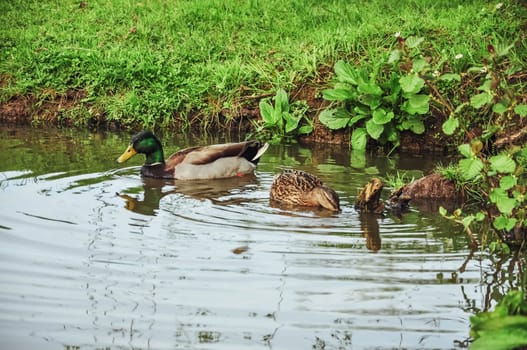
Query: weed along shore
pixel 407 76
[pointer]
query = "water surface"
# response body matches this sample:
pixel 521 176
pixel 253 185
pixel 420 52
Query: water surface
pixel 92 256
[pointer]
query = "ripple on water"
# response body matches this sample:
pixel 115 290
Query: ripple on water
pixel 110 260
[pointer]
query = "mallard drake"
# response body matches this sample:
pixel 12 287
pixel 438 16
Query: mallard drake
pixel 296 187
pixel 201 162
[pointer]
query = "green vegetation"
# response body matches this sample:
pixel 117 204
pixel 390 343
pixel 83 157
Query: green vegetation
pixel 498 182
pixel 283 120
pixel 495 96
pixel 494 178
pixel 157 63
pixel 398 93
pixel 387 100
pixel 505 328
pixel 398 180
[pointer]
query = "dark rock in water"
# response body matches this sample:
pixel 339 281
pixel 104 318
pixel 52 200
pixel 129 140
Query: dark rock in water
pixel 433 187
pixel 428 193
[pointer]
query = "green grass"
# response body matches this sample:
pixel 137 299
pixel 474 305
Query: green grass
pixel 152 62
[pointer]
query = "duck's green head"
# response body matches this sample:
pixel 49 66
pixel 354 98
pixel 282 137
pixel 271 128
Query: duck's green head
pixel 147 143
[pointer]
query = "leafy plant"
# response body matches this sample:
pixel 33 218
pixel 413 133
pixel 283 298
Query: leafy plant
pixel 505 327
pixel 384 104
pixel 502 186
pixel 284 119
pixel 495 96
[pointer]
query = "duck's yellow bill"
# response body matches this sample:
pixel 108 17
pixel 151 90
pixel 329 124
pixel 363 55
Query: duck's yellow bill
pixel 129 153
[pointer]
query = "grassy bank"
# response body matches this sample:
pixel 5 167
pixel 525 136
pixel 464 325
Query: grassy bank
pixel 155 62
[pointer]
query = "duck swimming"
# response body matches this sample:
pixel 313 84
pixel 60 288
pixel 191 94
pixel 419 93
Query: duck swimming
pixel 195 163
pixel 296 187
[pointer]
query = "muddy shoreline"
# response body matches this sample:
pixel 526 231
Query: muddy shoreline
pixel 56 111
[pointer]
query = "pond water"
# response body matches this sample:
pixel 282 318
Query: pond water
pixel 92 256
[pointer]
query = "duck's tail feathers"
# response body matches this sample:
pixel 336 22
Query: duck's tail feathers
pixel 261 151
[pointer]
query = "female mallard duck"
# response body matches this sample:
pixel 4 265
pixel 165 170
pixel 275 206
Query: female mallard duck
pixel 205 162
pixel 297 187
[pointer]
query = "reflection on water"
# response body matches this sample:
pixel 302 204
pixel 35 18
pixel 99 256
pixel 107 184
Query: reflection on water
pixel 92 256
pixel 145 200
pixel 370 228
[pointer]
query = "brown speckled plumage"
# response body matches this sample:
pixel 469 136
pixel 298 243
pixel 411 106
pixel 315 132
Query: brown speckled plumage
pixel 295 187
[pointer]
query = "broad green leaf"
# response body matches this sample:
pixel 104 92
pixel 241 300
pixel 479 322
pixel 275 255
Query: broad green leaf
pixel 502 339
pixel 503 320
pixel 362 110
pixel 419 64
pixel 521 109
pixel 291 122
pixel 502 164
pixel 486 86
pixel 450 125
pixel 499 108
pixel 414 124
pixel 442 211
pixel 338 94
pixel 356 118
pixel 508 182
pixel 344 86
pixel 268 113
pixel 413 42
pixel 465 150
pixel 411 84
pixel 373 129
pixel 395 56
pixel 470 168
pixel 381 117
pixel 334 118
pixel 479 100
pixel 480 216
pixel 498 194
pixel 506 206
pixel 504 223
pixel 358 139
pixel 502 200
pixel 372 101
pixel 418 104
pixel 305 129
pixel 346 72
pixel 281 101
pixel 450 77
pixel 417 127
pixel 370 89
